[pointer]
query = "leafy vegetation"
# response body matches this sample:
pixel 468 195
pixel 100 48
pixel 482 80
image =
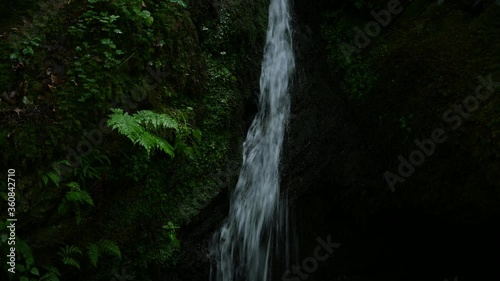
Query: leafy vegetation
pixel 145 127
pixel 95 89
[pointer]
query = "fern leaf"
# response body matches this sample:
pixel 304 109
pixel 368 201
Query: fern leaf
pixel 136 128
pixel 49 276
pixel 157 120
pixel 197 135
pixel 125 124
pixel 53 177
pixel 66 253
pixel 73 185
pixel 52 275
pixel 93 253
pixel 103 158
pixel 71 261
pixel 35 271
pixel 110 247
pixel 151 142
pixel 25 250
pixel 53 270
pixel 69 250
pixel 80 196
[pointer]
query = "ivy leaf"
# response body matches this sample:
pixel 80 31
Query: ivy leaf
pixel 34 271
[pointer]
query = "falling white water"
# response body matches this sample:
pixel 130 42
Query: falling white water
pixel 242 247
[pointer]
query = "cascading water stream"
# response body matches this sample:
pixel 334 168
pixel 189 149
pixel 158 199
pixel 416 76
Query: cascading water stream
pixel 242 247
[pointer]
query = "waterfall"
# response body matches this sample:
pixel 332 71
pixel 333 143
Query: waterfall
pixel 242 247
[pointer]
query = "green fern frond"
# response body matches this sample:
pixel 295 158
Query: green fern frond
pixel 125 124
pixel 156 120
pixel 93 253
pixel 53 177
pixel 74 199
pixel 25 251
pixel 151 142
pixel 80 196
pixel 73 185
pixel 134 128
pixel 71 261
pixel 52 274
pixel 110 247
pixel 49 276
pixel 69 250
pixel 66 254
pixel 77 195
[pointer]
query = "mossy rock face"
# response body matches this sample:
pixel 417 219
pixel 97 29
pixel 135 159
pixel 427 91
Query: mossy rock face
pixel 424 63
pixel 88 57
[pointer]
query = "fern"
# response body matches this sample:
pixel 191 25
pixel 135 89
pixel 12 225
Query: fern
pixel 52 274
pixel 110 248
pixel 56 175
pixel 80 196
pixel 93 253
pixel 52 176
pixel 75 198
pixel 77 195
pixel 94 250
pixel 71 261
pixel 25 250
pixel 138 128
pixel 66 255
pixel 69 250
pixel 157 121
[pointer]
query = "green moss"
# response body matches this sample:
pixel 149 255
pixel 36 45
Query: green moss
pixel 355 67
pixel 102 59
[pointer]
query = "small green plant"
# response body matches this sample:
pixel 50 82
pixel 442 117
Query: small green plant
pixel 171 229
pixel 24 50
pixel 358 75
pixel 138 128
pixel 75 198
pixel 55 175
pixel 147 127
pixel 404 122
pixel 95 250
pixel 92 166
pixel 67 255
pixel 26 268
